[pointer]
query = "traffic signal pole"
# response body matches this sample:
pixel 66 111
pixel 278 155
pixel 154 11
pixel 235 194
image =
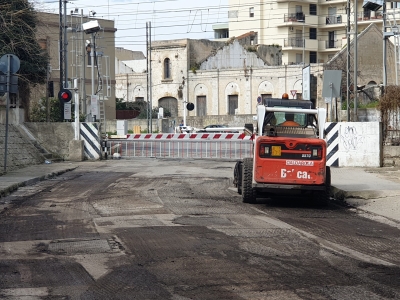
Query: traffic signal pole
pixel 76 97
pixel 7 111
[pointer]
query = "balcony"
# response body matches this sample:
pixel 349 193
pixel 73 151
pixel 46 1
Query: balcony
pixel 331 2
pixel 336 19
pixel 330 45
pixel 294 17
pixel 369 16
pixel 293 42
pixel 298 43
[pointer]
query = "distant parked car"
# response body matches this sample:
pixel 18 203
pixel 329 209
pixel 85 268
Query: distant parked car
pixel 184 129
pixel 215 127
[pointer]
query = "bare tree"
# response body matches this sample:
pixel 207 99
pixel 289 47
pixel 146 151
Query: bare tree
pixel 18 21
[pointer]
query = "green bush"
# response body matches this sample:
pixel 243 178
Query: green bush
pixel 38 111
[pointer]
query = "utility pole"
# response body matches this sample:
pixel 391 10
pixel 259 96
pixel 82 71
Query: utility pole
pixel 384 46
pixel 65 48
pixel 83 69
pixel 61 45
pixel 150 83
pixel 351 16
pixel 149 93
pixel 63 51
pixel 355 61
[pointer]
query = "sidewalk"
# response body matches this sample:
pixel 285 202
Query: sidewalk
pixel 31 175
pixel 375 190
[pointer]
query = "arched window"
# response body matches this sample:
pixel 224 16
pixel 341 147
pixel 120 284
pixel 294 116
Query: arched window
pixel 167 68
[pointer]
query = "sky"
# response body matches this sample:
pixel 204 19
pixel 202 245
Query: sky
pixel 170 19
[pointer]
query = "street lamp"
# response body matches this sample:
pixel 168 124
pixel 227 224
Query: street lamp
pixel 91 27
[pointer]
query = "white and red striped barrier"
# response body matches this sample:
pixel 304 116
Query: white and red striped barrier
pixel 189 136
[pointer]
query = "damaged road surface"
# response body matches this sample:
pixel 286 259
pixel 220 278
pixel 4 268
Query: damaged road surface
pixel 177 229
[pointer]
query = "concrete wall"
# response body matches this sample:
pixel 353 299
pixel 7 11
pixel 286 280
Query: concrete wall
pixel 54 137
pixel 360 144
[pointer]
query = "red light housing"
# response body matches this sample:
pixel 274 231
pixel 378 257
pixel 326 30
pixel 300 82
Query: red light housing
pixel 65 95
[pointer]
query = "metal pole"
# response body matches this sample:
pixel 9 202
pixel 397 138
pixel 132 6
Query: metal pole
pixel 151 101
pixel 184 113
pixel 348 62
pixel 47 88
pixel 148 70
pixel 83 70
pixel 61 45
pixel 7 108
pixel 77 135
pixel 92 46
pixel 331 114
pixel 355 62
pixel 384 46
pixel 65 46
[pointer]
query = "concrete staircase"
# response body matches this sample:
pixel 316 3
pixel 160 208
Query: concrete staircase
pixel 21 150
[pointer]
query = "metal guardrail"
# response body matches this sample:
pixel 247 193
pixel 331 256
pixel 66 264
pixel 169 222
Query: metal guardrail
pixel 223 149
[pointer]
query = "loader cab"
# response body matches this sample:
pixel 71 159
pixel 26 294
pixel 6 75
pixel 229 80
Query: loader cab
pixel 276 121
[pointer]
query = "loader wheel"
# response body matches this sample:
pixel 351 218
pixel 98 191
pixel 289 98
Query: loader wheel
pixel 327 184
pixel 248 192
pixel 238 176
pixel 323 197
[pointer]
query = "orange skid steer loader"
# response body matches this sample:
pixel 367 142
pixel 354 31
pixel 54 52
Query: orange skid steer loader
pixel 289 152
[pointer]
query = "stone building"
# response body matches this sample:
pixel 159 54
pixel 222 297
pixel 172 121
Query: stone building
pixel 179 74
pixel 227 79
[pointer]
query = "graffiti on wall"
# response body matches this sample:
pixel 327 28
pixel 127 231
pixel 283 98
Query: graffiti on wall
pixel 351 139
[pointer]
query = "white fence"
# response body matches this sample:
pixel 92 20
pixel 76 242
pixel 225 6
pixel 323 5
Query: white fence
pixel 222 149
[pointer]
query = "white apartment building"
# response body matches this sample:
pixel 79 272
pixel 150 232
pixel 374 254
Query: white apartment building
pixel 309 31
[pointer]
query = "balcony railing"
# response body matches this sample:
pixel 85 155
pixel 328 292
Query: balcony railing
pixel 295 17
pixel 331 44
pixel 366 16
pixel 294 42
pixel 335 19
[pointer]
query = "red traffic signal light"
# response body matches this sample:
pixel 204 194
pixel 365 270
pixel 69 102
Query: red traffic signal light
pixel 65 95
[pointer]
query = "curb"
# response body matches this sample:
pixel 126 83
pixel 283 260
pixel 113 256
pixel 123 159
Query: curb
pixel 13 187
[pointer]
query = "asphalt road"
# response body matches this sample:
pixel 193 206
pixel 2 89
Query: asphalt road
pixel 176 229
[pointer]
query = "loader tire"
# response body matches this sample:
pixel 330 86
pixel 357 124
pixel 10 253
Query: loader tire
pixel 248 192
pixel 323 197
pixel 327 195
pixel 238 177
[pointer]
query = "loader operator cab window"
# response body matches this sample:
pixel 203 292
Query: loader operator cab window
pixel 291 119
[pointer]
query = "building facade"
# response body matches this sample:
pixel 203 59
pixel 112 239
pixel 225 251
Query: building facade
pixel 218 78
pixel 229 80
pixel 311 31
